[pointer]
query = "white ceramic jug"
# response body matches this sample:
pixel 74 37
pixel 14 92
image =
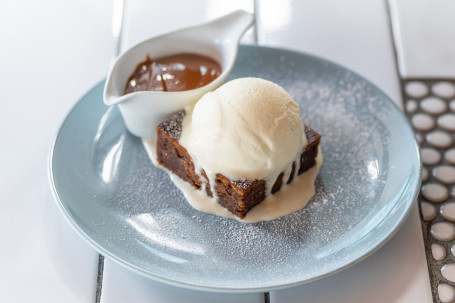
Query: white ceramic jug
pixel 142 111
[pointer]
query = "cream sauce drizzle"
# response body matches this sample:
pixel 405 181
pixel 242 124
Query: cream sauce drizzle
pixel 287 200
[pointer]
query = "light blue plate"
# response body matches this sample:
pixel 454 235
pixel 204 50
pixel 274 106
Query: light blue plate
pixel 130 212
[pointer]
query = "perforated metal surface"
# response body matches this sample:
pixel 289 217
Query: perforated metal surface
pixel 430 108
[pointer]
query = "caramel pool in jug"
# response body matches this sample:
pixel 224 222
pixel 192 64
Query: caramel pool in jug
pixel 174 73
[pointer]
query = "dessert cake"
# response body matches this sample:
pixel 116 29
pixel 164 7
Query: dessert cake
pixel 237 196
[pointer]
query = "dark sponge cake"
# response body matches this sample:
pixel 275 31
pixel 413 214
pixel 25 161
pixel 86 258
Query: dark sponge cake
pixel 237 196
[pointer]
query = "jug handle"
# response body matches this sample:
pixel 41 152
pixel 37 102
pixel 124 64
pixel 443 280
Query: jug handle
pixel 229 28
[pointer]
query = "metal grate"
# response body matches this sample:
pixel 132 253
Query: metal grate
pixel 429 105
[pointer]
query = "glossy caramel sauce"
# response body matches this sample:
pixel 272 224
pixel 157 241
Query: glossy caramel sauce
pixel 174 73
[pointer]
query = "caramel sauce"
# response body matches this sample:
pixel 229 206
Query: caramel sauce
pixel 174 73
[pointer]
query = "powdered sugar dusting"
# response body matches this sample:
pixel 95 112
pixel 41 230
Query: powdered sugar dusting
pixel 171 240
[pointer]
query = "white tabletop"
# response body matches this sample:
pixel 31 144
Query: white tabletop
pixel 52 52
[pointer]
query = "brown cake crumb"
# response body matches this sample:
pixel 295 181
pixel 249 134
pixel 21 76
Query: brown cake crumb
pixel 237 196
pixel 173 126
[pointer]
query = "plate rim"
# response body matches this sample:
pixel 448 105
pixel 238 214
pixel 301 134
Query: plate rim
pixel 194 286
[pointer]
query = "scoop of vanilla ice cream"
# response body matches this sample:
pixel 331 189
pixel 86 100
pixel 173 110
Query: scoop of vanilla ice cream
pixel 246 129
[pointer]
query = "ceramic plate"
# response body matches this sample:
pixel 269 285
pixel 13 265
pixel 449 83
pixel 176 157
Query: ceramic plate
pixel 131 212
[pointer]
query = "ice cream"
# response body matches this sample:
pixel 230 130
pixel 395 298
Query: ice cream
pixel 249 128
pixel 234 153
